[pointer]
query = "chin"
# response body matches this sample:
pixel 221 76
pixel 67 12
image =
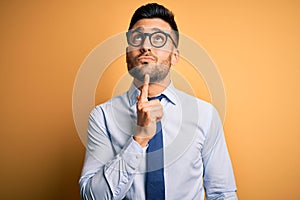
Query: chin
pixel 155 72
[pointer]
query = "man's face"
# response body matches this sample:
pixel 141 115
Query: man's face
pixel 147 59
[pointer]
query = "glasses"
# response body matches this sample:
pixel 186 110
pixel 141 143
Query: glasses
pixel 157 39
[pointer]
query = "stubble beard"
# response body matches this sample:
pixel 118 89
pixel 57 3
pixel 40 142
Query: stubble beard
pixel 157 71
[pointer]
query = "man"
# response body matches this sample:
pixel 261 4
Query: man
pixel 155 142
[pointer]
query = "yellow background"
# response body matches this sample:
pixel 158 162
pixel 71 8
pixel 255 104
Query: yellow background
pixel 255 44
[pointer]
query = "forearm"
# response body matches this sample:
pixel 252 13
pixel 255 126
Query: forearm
pixel 91 186
pixel 113 179
pixel 219 179
pixel 230 195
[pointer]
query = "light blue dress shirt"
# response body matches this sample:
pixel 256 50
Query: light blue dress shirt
pixel 196 159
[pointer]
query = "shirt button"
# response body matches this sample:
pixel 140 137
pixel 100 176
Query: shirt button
pixel 117 192
pixel 125 180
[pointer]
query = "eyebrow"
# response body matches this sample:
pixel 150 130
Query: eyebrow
pixel 156 29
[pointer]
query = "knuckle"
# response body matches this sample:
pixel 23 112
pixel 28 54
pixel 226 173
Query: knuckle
pixel 144 109
pixel 139 106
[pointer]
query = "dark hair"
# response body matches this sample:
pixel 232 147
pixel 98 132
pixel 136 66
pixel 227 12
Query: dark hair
pixel 154 10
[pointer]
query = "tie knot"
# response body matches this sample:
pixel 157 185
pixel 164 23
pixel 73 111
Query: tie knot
pixel 159 97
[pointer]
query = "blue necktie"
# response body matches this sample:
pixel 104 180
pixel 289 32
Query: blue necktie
pixel 155 186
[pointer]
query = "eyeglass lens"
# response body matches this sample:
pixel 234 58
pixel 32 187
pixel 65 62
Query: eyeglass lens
pixel 157 39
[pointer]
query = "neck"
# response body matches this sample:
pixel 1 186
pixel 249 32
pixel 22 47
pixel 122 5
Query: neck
pixel 154 88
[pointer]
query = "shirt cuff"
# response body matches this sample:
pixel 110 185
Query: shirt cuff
pixel 133 154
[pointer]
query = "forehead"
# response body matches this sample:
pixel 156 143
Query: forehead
pixel 153 23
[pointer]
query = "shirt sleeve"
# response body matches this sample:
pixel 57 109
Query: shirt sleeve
pixel 107 174
pixel 219 179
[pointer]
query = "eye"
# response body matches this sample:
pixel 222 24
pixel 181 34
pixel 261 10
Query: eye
pixel 137 38
pixel 159 38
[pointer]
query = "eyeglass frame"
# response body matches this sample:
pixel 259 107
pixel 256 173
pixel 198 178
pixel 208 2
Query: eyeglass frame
pixel 128 33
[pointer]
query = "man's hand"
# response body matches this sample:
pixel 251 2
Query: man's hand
pixel 148 113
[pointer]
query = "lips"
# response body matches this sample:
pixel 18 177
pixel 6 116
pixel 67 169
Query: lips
pixel 146 59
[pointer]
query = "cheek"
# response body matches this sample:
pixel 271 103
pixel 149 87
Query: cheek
pixel 164 55
pixel 130 55
pixel 132 50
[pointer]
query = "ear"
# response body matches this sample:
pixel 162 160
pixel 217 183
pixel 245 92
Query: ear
pixel 175 57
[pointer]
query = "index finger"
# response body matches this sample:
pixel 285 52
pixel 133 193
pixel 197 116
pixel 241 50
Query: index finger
pixel 144 91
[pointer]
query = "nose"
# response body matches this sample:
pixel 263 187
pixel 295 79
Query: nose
pixel 146 45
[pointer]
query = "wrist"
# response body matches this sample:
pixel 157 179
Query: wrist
pixel 142 141
pixel 144 133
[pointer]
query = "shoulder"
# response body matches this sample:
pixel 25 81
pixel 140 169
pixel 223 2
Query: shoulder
pixel 187 99
pixel 117 102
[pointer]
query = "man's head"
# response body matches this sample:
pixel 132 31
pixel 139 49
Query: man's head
pixel 152 43
pixel 154 10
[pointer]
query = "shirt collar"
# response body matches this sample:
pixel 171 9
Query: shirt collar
pixel 169 92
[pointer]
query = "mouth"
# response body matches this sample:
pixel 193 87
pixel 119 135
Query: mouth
pixel 146 59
